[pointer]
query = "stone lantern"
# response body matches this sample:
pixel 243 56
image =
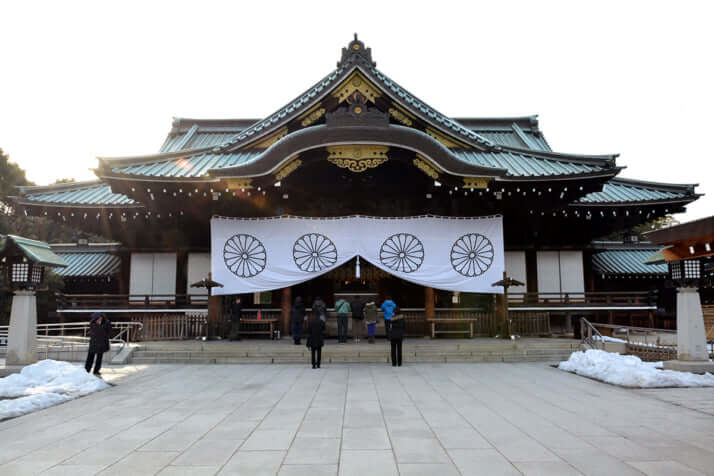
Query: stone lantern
pixel 688 249
pixel 24 261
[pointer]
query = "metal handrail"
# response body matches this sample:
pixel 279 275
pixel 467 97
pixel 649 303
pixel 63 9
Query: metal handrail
pixel 588 330
pixel 123 337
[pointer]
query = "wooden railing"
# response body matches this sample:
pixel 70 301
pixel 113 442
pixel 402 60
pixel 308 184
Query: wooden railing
pixel 585 299
pixel 171 326
pixel 71 302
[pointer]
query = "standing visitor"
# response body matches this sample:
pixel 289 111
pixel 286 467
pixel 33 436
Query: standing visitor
pixel 319 309
pixel 388 307
pixel 236 313
pixel 396 335
pixel 297 315
pixel 99 330
pixel 315 340
pixel 357 318
pixel 370 316
pixel 342 308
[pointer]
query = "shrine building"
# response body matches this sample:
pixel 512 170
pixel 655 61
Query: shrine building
pixel 356 143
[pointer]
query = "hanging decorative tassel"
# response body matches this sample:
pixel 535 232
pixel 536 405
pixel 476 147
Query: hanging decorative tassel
pixel 357 268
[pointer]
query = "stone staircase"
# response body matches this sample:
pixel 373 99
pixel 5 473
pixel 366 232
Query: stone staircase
pixel 415 350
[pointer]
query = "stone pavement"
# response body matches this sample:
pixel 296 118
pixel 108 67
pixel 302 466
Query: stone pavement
pixel 420 419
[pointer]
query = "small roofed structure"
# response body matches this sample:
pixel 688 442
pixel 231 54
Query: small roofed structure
pixel 689 255
pixel 25 260
pixel 91 267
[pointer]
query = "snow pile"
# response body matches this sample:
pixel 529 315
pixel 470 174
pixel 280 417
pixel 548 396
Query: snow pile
pixel 44 384
pixel 630 371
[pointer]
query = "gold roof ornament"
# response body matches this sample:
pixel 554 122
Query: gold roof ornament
pixel 288 168
pixel 476 182
pixel 356 82
pixel 401 115
pixel 447 142
pixel 312 115
pixel 239 183
pixel 357 158
pixel 424 165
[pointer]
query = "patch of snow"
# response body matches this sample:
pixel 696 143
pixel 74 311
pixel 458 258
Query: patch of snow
pixel 44 384
pixel 630 371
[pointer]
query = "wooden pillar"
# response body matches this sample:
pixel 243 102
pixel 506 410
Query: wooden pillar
pixel 429 311
pixel 215 314
pixel 501 324
pixel 285 308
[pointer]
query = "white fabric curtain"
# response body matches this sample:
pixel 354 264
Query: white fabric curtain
pixel 455 254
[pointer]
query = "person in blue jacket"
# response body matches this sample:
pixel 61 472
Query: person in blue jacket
pixel 388 307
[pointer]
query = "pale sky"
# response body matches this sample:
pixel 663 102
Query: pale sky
pixel 86 79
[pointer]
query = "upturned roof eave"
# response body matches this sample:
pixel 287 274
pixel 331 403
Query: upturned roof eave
pixel 604 159
pixel 670 187
pixel 113 175
pixel 57 187
pixel 663 201
pixel 20 202
pixel 605 173
pixel 140 159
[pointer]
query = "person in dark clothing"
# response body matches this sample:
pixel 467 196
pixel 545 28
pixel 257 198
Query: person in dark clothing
pixel 100 329
pixel 315 339
pixel 357 318
pixel 319 309
pixel 297 315
pixel 236 312
pixel 396 335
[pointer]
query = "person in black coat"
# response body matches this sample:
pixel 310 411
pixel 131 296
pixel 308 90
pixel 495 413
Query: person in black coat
pixel 357 318
pixel 396 335
pixel 100 329
pixel 297 316
pixel 315 339
pixel 236 313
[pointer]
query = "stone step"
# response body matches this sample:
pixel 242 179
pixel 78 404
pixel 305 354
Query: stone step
pixel 350 358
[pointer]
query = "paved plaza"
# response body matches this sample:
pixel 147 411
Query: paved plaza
pixel 420 419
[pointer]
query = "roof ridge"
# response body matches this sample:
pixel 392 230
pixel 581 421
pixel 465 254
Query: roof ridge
pixel 480 141
pixel 304 100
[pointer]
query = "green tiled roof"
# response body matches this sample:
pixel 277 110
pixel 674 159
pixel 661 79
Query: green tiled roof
pixel 201 135
pixel 79 193
pixel 37 251
pixel 89 264
pixel 619 190
pixel 518 164
pixel 627 262
pixel 192 166
pixel 523 164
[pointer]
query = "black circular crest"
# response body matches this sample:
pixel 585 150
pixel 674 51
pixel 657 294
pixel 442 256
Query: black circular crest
pixel 472 255
pixel 402 252
pixel 244 255
pixel 314 252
